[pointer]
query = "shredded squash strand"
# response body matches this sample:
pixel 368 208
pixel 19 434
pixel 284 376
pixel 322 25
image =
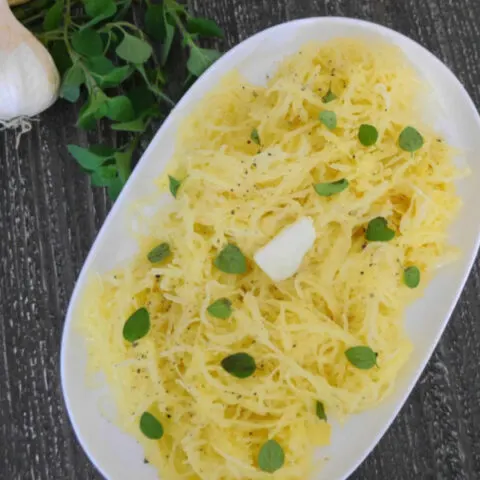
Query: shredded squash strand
pixel 347 292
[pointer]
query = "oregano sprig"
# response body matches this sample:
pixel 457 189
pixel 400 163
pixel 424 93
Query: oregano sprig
pixel 113 56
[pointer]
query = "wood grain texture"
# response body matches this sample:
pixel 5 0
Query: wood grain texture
pixel 49 216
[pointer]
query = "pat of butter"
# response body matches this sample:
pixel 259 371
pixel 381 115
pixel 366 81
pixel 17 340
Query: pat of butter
pixel 281 257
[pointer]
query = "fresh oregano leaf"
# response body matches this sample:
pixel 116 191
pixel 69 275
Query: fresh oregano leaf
pixel 378 231
pixel 271 456
pixel 329 96
pixel 99 66
pixel 221 308
pixel 71 83
pixel 100 9
pixel 410 139
pixel 205 27
pixel 151 427
pixel 104 176
pixel 155 22
pixel 167 43
pixel 92 110
pixel 114 188
pixel 255 137
pixel 114 78
pixel 137 125
pixel 411 277
pixel 240 365
pixel 328 118
pixel 200 59
pixel 159 253
pixel 367 134
pixel 361 357
pixel 320 410
pixel 231 260
pixel 137 325
pixel 90 158
pixel 119 108
pixel 53 17
pixel 330 188
pixel 133 49
pixel 60 55
pixel 174 185
pixel 141 98
pixel 123 162
pixel 86 117
pixel 87 42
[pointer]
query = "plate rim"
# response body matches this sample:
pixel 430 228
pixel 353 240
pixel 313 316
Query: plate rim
pixel 80 281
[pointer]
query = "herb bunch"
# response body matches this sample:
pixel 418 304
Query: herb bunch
pixel 116 69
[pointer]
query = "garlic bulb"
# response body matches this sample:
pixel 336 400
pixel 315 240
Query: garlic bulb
pixel 29 80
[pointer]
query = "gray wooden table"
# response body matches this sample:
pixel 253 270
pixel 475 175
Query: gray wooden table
pixel 49 216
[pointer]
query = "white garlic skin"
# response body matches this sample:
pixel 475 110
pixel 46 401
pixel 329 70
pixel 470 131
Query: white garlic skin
pixel 29 80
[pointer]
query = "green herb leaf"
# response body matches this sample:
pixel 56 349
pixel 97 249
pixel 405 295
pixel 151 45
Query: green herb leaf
pixel 329 189
pixel 106 74
pixel 329 96
pixel 271 456
pixel 91 110
pixel 410 139
pixel 367 134
pixel 221 308
pixel 137 326
pixel 115 77
pixel 114 188
pixel 100 9
pixel 104 176
pixel 231 260
pixel 123 161
pixel 87 42
pixel 205 27
pixel 133 49
pixel 100 65
pixel 200 59
pixel 86 117
pixel 378 231
pixel 240 365
pixel 159 253
pixel 137 125
pixel 151 427
pixel 91 158
pixel 141 98
pixel 155 22
pixel 168 42
pixel 328 118
pixel 255 137
pixel 61 57
pixel 320 410
pixel 71 83
pixel 361 357
pixel 53 17
pixel 119 108
pixel 411 277
pixel 174 185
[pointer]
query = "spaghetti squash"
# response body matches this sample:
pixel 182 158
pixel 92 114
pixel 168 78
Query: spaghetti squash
pixel 223 373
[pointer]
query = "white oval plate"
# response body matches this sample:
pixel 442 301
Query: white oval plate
pixel 449 108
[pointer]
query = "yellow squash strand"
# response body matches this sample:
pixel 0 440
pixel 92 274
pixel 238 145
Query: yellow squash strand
pixel 347 291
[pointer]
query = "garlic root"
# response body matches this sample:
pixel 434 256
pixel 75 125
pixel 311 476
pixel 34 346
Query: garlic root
pixel 29 80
